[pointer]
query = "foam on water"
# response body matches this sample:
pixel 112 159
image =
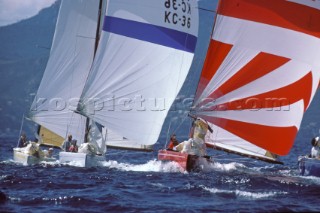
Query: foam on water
pixel 310 179
pixel 244 194
pixel 150 166
pixel 9 161
pixel 160 166
pixel 216 166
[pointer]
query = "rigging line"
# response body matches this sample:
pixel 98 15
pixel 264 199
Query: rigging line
pixel 122 156
pixel 212 31
pixel 189 70
pixel 214 136
pixel 208 10
pixel 97 39
pixel 219 155
pixel 20 129
pixel 180 123
pixel 168 134
pixel 81 36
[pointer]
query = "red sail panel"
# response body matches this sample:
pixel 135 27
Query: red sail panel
pixel 259 66
pixel 277 140
pixel 300 90
pixel 216 54
pixel 279 13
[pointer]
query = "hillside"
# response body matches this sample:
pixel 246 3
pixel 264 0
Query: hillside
pixel 24 51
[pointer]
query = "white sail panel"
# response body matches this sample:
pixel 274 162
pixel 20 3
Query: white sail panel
pixel 144 55
pixel 280 77
pixel 276 116
pixel 222 139
pixel 310 3
pixel 116 141
pixel 69 63
pixel 262 37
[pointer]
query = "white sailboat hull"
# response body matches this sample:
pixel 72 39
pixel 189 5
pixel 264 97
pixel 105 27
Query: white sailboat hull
pixel 81 159
pixel 27 159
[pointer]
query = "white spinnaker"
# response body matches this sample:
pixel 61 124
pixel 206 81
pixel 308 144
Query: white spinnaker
pixel 140 66
pixel 69 63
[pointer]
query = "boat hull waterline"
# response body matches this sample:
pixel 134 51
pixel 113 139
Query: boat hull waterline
pixel 81 159
pixel 186 161
pixel 27 159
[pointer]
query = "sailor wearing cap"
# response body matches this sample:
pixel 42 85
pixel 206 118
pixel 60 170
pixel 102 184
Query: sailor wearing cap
pixel 315 151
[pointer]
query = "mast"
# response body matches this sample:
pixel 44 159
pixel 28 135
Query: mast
pixel 70 61
pixel 98 27
pixel 133 64
pixel 97 38
pixel 214 23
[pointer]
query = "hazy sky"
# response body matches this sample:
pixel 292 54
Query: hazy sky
pixel 12 11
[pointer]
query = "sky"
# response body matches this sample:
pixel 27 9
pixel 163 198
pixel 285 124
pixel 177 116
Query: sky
pixel 12 11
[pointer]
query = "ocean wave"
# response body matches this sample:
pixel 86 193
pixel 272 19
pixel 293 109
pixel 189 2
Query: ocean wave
pixel 150 166
pixel 216 166
pixel 244 194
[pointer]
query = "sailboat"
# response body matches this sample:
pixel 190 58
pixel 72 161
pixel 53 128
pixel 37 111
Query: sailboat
pixel 70 60
pixel 144 55
pixel 125 82
pixel 260 75
pixel 309 165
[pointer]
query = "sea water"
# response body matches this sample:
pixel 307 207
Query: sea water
pixel 138 182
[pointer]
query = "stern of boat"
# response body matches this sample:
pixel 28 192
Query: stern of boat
pixel 80 159
pixel 24 158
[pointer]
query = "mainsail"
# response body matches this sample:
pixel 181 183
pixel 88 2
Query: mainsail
pixel 144 55
pixel 69 63
pixel 260 75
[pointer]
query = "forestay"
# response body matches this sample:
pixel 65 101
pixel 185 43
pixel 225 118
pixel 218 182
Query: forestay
pixel 260 75
pixel 70 61
pixel 143 58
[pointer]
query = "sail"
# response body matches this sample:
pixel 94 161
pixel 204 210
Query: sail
pixel 144 55
pixel 116 141
pixel 97 137
pixel 260 74
pixel 68 66
pixel 47 137
pixel 228 142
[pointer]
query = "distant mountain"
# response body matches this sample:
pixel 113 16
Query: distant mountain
pixel 24 51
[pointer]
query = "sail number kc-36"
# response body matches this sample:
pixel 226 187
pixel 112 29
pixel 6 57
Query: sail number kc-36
pixel 180 12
